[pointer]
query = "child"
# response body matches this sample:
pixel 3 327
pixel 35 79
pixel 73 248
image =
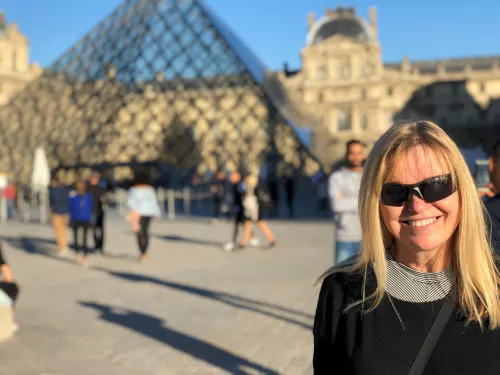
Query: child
pixel 80 212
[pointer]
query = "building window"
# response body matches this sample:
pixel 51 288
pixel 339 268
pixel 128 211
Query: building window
pixel 340 69
pixel 343 120
pixel 320 97
pixel 364 121
pixel 390 91
pixel 363 94
pixel 481 87
pixel 321 72
pixel 14 61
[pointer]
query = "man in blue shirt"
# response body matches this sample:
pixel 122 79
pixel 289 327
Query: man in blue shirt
pixel 492 202
pixel 59 208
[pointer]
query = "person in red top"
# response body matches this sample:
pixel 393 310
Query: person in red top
pixel 9 193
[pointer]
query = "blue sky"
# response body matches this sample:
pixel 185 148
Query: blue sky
pixel 276 29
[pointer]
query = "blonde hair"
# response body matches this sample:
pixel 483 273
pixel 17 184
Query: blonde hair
pixel 477 276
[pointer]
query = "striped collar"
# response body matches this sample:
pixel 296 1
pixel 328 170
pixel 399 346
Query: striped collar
pixel 410 285
pixel 423 277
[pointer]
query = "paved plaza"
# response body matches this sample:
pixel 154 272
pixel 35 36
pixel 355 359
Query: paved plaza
pixel 190 309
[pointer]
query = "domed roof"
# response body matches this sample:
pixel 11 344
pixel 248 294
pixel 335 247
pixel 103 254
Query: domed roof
pixel 344 24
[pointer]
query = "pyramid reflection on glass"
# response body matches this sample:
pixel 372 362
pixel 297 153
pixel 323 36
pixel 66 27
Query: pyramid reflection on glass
pixel 157 81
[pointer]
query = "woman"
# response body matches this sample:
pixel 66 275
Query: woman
pixel 80 215
pixel 143 207
pixel 252 212
pixel 425 262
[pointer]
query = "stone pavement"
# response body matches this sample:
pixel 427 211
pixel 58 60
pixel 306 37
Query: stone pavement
pixel 190 309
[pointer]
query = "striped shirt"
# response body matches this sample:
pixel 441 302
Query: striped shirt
pixel 409 285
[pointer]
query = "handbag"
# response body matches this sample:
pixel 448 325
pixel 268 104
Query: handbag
pixel 432 338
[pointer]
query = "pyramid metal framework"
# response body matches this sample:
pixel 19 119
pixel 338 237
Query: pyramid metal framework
pixel 156 82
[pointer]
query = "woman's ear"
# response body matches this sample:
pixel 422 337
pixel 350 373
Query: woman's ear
pixel 490 164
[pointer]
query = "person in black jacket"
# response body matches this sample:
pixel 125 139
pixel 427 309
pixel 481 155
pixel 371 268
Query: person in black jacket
pixel 423 297
pixel 99 197
pixel 492 202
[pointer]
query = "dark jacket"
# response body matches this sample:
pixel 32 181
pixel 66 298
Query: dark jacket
pixel 58 200
pixel 493 207
pixel 357 342
pixel 98 193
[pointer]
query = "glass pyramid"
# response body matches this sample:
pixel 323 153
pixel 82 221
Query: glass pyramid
pixel 157 82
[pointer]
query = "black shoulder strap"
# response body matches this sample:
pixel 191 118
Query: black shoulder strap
pixel 432 337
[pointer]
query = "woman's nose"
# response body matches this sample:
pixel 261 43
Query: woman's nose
pixel 416 204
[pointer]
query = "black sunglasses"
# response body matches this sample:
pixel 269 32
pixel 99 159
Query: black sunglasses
pixel 431 190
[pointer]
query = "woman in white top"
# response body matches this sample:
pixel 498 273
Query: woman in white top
pixel 143 207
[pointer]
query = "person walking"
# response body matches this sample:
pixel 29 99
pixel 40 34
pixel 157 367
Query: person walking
pixel 343 190
pixel 253 213
pixel 143 208
pixel 59 210
pixel 80 211
pixel 239 187
pixel 99 196
pixel 492 201
pixel 423 297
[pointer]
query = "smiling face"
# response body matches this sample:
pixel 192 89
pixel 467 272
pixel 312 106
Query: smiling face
pixel 419 225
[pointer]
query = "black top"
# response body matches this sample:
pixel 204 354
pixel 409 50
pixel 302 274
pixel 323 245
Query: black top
pixel 98 193
pixel 379 343
pixel 493 207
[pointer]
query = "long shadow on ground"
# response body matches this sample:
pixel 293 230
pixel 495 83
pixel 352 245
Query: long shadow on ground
pixel 48 247
pixel 190 240
pixel 155 328
pixel 264 308
pixel 36 245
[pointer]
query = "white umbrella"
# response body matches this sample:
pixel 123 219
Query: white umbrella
pixel 40 175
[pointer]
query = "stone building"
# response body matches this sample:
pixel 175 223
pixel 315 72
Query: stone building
pixel 345 84
pixel 15 68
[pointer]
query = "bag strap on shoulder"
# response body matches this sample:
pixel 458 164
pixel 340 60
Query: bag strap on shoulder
pixel 432 337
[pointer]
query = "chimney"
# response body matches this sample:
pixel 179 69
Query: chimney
pixel 373 22
pixel 405 64
pixel 310 19
pixel 285 68
pixel 3 23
